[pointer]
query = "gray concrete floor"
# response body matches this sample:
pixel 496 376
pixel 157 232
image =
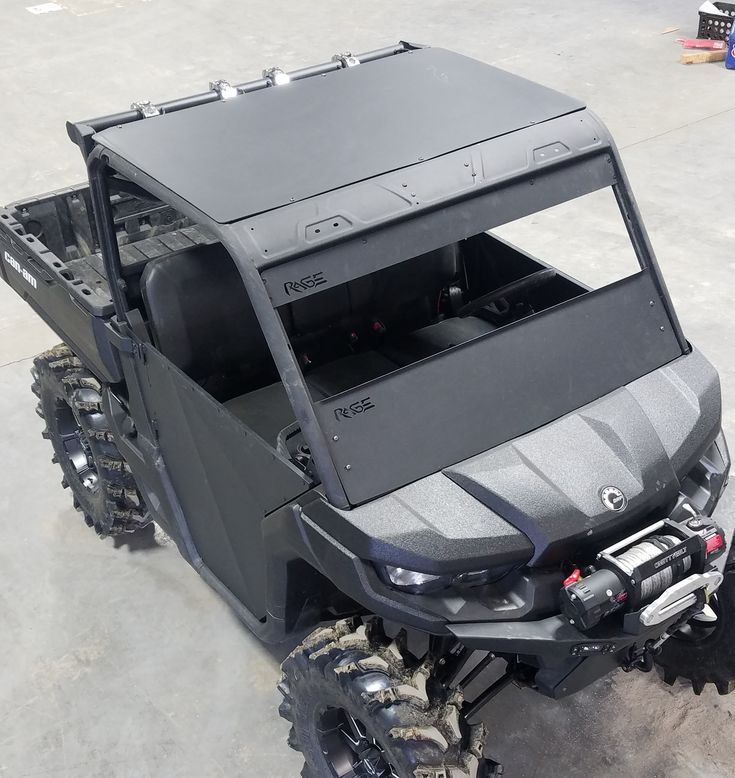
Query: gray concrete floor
pixel 120 662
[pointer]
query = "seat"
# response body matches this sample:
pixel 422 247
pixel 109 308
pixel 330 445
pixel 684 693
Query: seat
pixel 199 313
pixel 407 294
pixel 266 411
pixel 342 374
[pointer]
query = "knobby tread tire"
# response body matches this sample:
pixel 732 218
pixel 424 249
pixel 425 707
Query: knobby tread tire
pixel 418 723
pixel 711 661
pixel 115 506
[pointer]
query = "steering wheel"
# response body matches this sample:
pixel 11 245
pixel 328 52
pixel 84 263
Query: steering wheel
pixel 509 291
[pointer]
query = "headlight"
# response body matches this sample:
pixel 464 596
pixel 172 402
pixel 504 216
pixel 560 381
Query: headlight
pixel 422 583
pixel 412 581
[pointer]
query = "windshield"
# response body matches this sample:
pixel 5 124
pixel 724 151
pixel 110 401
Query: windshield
pixel 441 356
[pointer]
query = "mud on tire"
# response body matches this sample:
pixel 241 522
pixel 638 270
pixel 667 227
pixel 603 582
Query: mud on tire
pixel 347 683
pixel 70 402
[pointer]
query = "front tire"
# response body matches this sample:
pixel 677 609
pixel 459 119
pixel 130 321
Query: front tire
pixel 705 654
pixel 70 402
pixel 359 708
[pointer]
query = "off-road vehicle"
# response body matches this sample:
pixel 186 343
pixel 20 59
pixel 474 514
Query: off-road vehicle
pixel 295 339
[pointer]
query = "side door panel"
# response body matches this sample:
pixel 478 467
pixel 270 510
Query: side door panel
pixel 226 477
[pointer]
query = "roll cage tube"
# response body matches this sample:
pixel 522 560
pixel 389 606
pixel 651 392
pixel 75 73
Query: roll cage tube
pixel 644 250
pixel 100 162
pixel 97 171
pixel 82 133
pixel 287 365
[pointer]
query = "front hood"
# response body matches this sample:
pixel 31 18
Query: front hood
pixel 640 439
pixel 538 497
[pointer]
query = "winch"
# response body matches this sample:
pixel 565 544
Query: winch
pixel 651 575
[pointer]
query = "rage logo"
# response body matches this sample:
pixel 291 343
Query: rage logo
pixel 354 409
pixel 304 284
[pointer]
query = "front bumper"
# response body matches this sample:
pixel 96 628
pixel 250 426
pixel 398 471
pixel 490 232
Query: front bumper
pixel 498 619
pixel 567 659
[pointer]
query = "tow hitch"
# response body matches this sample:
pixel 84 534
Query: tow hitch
pixel 643 657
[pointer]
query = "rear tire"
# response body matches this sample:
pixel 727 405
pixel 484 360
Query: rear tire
pixel 358 708
pixel 70 402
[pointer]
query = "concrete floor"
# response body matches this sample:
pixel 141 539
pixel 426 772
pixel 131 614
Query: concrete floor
pixel 120 662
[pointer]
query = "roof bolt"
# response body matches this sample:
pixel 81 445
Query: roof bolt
pixel 474 175
pixel 348 467
pixel 466 164
pixel 404 185
pixel 662 328
pixel 651 303
pixel 336 437
pixel 413 194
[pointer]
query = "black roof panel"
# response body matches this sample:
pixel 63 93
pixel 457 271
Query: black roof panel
pixel 232 159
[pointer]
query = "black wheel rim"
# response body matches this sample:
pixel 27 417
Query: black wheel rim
pixel 350 751
pixel 76 448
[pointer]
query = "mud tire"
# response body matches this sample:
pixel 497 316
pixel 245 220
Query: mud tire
pixel 710 659
pixel 70 402
pixel 416 723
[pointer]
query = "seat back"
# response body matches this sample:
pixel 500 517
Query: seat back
pixel 199 313
pixel 415 283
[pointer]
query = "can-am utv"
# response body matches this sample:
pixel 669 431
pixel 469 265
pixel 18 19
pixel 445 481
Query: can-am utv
pixel 295 340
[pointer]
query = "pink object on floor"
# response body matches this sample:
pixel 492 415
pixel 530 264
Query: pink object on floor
pixel 701 43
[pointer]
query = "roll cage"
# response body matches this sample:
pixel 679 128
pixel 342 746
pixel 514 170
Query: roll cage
pixel 331 237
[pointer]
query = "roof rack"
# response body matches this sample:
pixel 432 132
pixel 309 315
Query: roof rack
pixel 81 132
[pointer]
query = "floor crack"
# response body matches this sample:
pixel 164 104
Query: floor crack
pixel 15 362
pixel 680 127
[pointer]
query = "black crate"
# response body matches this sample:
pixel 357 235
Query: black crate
pixel 716 27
